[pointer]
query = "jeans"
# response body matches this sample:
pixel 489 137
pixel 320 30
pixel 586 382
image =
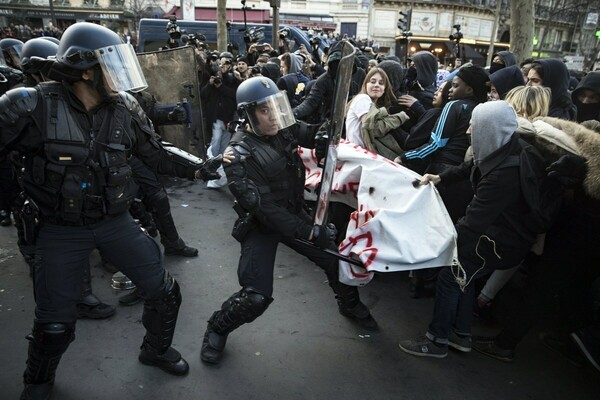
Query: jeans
pixel 453 308
pixel 218 143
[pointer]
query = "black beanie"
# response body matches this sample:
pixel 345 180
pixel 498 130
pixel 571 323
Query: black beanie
pixel 477 78
pixel 242 59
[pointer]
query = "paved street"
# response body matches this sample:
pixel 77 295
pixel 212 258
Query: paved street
pixel 300 349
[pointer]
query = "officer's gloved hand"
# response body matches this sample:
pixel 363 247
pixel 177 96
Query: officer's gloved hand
pixel 324 236
pixel 569 170
pixel 178 114
pixel 208 170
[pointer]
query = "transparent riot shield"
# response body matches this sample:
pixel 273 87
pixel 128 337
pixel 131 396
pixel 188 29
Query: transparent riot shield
pixel 342 88
pixel 173 78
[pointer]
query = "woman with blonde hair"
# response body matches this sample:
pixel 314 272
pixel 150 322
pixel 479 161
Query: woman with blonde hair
pixel 368 121
pixel 530 102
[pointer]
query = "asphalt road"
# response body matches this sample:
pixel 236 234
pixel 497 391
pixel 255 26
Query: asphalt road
pixel 301 348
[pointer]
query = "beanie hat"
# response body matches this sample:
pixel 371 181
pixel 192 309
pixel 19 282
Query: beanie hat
pixel 506 79
pixel 243 59
pixel 477 78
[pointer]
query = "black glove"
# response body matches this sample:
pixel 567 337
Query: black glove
pixel 324 236
pixel 208 170
pixel 569 170
pixel 178 114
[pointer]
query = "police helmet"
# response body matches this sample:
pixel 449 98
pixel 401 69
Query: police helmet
pixel 51 39
pixel 37 47
pixel 84 45
pixel 11 48
pixel 265 107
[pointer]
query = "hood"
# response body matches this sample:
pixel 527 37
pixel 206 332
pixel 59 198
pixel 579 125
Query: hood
pixel 395 73
pixel 556 77
pixel 507 57
pixel 427 66
pixel 271 71
pixel 586 112
pixel 506 79
pixel 492 126
pixel 295 64
pixel 335 52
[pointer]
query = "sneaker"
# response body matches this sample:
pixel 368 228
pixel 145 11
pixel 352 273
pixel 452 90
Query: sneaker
pixel 424 347
pixel 588 345
pixel 460 343
pixel 563 346
pixel 491 349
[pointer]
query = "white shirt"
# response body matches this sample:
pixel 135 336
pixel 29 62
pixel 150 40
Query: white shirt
pixel 359 107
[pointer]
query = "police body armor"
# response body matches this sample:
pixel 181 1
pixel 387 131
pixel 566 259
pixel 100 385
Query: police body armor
pixel 81 176
pixel 280 165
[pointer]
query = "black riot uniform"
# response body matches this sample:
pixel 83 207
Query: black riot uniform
pixel 266 176
pixel 76 138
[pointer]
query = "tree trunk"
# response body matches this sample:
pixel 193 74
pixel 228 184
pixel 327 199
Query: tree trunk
pixel 522 22
pixel 222 25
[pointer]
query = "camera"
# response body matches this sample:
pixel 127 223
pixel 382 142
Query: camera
pixel 196 40
pixel 173 29
pixel 284 33
pixel 217 80
pixel 254 34
pixel 456 35
pixel 315 41
pixel 260 48
pixel 457 27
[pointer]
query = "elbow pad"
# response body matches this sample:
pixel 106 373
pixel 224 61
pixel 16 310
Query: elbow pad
pixel 17 103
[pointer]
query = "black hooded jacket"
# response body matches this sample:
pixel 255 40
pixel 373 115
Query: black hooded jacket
pixel 427 66
pixel 556 77
pixel 393 69
pixel 587 112
pixel 507 57
pixel 316 106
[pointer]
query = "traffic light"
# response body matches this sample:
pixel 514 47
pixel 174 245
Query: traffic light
pixel 404 20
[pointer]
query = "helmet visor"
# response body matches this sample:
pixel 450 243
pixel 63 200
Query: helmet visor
pixel 13 56
pixel 121 68
pixel 271 114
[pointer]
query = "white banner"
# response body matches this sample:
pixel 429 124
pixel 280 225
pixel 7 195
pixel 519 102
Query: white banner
pixel 396 227
pixel 188 10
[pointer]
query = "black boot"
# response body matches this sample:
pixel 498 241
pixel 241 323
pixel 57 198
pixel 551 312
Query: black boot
pixel 5 218
pixel 47 344
pixel 349 304
pixel 178 248
pixel 242 307
pixel 131 299
pixel 159 319
pixel 89 305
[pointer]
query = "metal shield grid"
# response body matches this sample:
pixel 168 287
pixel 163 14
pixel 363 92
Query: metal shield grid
pixel 172 78
pixel 342 87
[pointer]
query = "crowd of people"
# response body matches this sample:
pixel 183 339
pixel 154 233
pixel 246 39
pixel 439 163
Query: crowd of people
pixel 513 150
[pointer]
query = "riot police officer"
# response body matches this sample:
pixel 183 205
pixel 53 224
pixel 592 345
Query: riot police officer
pixel 76 135
pixel 266 176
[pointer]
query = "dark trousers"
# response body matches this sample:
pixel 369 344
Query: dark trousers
pixel 568 267
pixel 62 254
pixel 257 260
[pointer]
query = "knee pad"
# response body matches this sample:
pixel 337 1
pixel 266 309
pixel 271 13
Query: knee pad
pixel 51 339
pixel 252 304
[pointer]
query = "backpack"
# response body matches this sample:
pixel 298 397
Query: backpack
pixel 295 85
pixel 542 194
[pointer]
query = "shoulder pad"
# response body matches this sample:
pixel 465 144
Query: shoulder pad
pixel 240 151
pixel 130 102
pixel 17 103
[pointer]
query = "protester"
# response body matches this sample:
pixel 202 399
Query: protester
pixel 586 97
pixel 502 59
pixel 368 120
pixel 553 73
pixel 503 80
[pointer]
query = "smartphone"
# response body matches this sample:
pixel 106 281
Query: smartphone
pixel 260 48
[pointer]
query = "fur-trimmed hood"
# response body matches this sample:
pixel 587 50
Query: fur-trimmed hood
pixel 556 137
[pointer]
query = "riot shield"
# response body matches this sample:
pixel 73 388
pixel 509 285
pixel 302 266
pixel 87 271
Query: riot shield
pixel 342 87
pixel 173 78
